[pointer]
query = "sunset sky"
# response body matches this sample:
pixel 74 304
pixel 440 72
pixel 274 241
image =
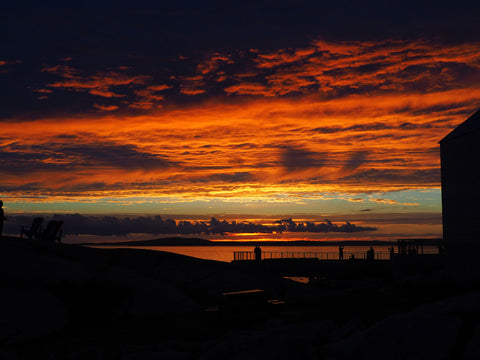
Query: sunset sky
pixel 249 108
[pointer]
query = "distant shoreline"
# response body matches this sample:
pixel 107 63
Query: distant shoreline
pixel 179 241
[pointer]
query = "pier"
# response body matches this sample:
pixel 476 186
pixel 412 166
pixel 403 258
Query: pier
pixel 319 255
pixel 329 264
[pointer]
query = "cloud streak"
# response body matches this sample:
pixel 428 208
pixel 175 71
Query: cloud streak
pixel 99 84
pixel 271 126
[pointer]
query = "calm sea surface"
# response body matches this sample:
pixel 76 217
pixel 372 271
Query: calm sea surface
pixel 225 253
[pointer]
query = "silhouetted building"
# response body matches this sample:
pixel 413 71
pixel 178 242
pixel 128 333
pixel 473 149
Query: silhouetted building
pixel 460 154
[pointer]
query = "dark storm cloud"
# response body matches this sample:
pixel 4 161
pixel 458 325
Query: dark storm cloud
pixel 18 158
pixel 26 190
pixel 296 159
pixel 392 176
pixel 118 156
pixel 381 126
pixel 358 127
pixel 355 160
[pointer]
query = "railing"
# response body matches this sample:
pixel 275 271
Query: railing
pixel 347 255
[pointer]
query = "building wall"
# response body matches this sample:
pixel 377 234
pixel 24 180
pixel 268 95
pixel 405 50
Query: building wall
pixel 460 158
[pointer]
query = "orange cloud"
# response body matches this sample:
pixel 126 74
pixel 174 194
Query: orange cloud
pixel 99 84
pixel 212 63
pixel 335 69
pixel 192 91
pixel 256 149
pixel 148 97
pixel 43 91
pixel 106 107
pixel 282 57
pixel 393 202
pixel 248 88
pixel 343 118
pixel 159 87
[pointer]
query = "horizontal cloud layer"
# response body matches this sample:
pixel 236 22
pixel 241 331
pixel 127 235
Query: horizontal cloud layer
pixel 274 125
pixel 76 224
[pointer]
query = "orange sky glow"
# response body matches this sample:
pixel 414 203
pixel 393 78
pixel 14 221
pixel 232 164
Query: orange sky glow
pixel 356 121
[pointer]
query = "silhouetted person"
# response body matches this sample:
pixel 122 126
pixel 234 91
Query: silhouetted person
pixel 440 249
pixel 258 253
pixel 2 218
pixel 371 254
pixel 340 252
pixel 392 252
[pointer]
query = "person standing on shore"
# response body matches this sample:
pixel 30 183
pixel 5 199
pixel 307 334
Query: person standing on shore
pixel 340 252
pixel 258 253
pixel 2 218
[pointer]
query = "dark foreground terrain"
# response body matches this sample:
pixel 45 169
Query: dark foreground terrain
pixel 70 302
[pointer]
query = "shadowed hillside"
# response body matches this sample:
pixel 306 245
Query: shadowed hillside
pixel 65 301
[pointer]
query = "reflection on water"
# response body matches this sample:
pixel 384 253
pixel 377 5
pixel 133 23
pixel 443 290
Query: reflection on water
pixel 225 253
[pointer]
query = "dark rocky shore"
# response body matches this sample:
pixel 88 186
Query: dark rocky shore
pixel 71 302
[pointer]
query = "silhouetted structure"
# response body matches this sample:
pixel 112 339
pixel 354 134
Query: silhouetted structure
pixel 34 232
pixel 2 218
pixel 53 231
pixel 460 151
pixel 410 246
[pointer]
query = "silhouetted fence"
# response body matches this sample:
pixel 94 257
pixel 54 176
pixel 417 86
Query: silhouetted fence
pixel 347 255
